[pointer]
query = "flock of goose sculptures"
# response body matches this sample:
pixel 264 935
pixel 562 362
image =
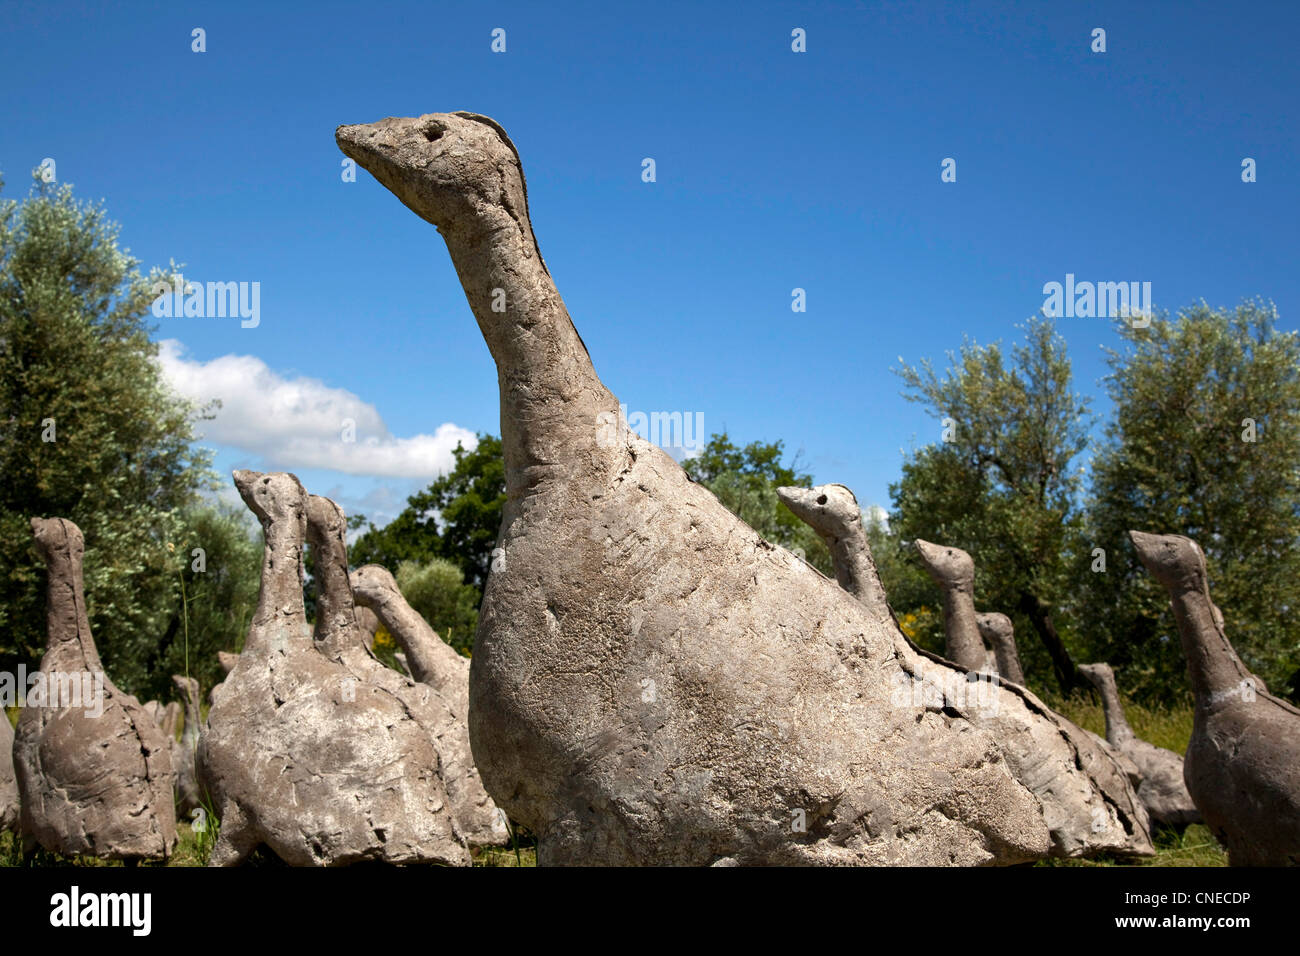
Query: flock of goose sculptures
pixel 652 682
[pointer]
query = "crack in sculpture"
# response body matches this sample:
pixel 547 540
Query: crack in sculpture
pixel 652 683
pixel 93 778
pixel 1242 766
pixel 309 749
pixel 1086 795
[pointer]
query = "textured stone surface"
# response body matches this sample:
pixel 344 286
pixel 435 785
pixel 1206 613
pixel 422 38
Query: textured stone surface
pixel 1161 789
pixel 188 797
pixel 832 511
pixel 1086 793
pixel 227 660
pixel 432 661
pixel 1000 635
pixel 652 682
pixel 8 785
pixel 439 701
pixel 302 752
pixel 94 778
pixel 954 571
pixel 367 624
pixel 1242 765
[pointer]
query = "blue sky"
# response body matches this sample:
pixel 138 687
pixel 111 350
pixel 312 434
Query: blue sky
pixel 775 170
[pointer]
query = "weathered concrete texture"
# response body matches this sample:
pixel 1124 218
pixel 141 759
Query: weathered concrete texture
pixel 367 625
pixel 832 511
pixel 652 682
pixel 1086 794
pixel 188 796
pixel 954 571
pixel 8 785
pixel 1000 635
pixel 301 752
pixel 443 712
pixel 432 660
pixel 1242 765
pixel 1162 789
pixel 1130 769
pixel 96 778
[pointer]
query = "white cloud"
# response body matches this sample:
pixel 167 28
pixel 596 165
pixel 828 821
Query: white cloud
pixel 300 422
pixel 876 513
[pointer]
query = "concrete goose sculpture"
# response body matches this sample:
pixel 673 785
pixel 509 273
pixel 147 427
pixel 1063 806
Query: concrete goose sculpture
pixel 1162 789
pixel 431 660
pixel 94 775
pixel 443 712
pixel 1000 635
pixel 1088 801
pixel 1242 766
pixel 301 753
pixel 954 571
pixel 652 682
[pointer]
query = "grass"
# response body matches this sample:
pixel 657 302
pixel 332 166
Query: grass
pixel 1168 727
pixel 1195 846
pixel 505 856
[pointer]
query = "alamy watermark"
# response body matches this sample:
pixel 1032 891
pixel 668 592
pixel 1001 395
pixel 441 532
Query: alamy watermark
pixel 976 690
pixel 75 689
pixel 668 430
pixel 185 298
pixel 1086 300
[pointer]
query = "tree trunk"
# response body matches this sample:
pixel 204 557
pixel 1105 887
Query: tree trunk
pixel 1039 615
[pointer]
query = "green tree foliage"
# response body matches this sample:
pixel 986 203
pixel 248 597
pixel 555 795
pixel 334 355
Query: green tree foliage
pixel 745 481
pixel 437 590
pixel 88 431
pixel 1178 459
pixel 458 517
pixel 1003 487
pixel 216 605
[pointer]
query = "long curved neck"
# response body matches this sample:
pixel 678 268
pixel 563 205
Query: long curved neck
pixel 550 395
pixel 70 645
pixel 961 629
pixel 1004 651
pixel 1212 665
pixel 855 569
pixel 1118 731
pixel 280 614
pixel 432 661
pixel 336 620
